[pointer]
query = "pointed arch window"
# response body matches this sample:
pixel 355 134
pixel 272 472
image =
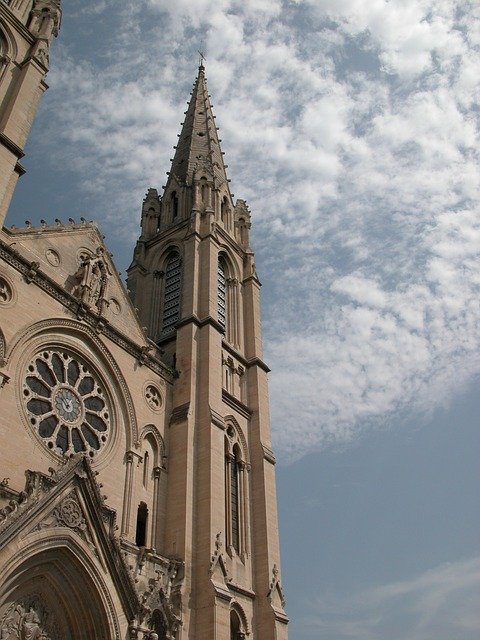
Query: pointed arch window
pixel 174 201
pixel 234 499
pixel 222 292
pixel 228 301
pixel 236 526
pixel 158 624
pixel 224 211
pixel 172 290
pixel 236 632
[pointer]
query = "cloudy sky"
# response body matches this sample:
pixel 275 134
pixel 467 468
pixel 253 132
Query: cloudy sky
pixel 352 130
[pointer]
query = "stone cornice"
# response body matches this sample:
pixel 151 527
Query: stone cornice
pixel 236 405
pixel 208 320
pixel 180 413
pixel 20 169
pixel 233 586
pixel 256 362
pixel 268 454
pixel 281 616
pixel 32 273
pixel 253 278
pixel 252 362
pixel 11 146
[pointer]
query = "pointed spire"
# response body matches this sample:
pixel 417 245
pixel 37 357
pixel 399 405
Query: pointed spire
pixel 198 144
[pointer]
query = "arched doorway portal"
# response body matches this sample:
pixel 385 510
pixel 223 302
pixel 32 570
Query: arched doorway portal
pixel 52 596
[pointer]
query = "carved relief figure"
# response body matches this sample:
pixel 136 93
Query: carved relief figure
pixel 25 621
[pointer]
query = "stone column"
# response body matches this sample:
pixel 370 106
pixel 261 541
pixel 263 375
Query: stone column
pixel 127 494
pixel 154 528
pixel 228 503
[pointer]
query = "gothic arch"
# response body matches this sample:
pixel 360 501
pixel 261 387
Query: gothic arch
pixel 236 490
pixel 159 259
pixel 240 437
pixel 53 580
pixel 81 340
pixel 240 611
pixel 150 431
pixel 157 266
pixel 228 297
pixel 170 293
pixel 152 489
pixel 230 261
pixel 7 39
pixel 226 210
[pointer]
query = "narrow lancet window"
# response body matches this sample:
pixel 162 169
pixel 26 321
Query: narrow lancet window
pixel 141 531
pixel 224 211
pixel 236 508
pixel 234 501
pixel 174 205
pixel 171 297
pixel 146 469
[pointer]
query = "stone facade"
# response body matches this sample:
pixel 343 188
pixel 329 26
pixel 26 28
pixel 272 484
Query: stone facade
pixel 137 484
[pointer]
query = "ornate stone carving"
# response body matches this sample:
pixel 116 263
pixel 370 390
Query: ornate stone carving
pixel 92 279
pixel 65 403
pixel 153 397
pixel 203 167
pixel 70 513
pixel 218 559
pixel 275 587
pixel 6 292
pixel 160 597
pixel 83 312
pixel 37 484
pixel 41 53
pixel 114 306
pixel 52 256
pixel 28 619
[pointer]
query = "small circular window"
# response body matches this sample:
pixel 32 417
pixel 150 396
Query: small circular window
pixel 153 397
pixel 66 404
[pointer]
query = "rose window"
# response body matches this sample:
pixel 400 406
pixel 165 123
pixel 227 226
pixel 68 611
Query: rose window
pixel 66 404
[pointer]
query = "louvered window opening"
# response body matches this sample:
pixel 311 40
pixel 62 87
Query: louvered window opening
pixel 221 293
pixel 173 282
pixel 234 502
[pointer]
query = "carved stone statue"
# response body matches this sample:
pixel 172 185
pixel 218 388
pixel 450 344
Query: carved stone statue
pixel 92 277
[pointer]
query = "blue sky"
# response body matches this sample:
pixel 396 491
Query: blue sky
pixel 351 128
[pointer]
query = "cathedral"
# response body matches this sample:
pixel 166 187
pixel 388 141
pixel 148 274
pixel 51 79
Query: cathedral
pixel 137 477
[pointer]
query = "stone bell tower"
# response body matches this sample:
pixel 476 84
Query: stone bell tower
pixel 27 28
pixel 194 283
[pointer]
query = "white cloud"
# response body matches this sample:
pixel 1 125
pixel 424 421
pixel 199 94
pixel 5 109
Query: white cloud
pixel 355 141
pixel 439 604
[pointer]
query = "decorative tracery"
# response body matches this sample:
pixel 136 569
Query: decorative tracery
pixel 66 404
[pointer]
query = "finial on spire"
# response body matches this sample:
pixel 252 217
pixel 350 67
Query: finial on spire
pixel 201 59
